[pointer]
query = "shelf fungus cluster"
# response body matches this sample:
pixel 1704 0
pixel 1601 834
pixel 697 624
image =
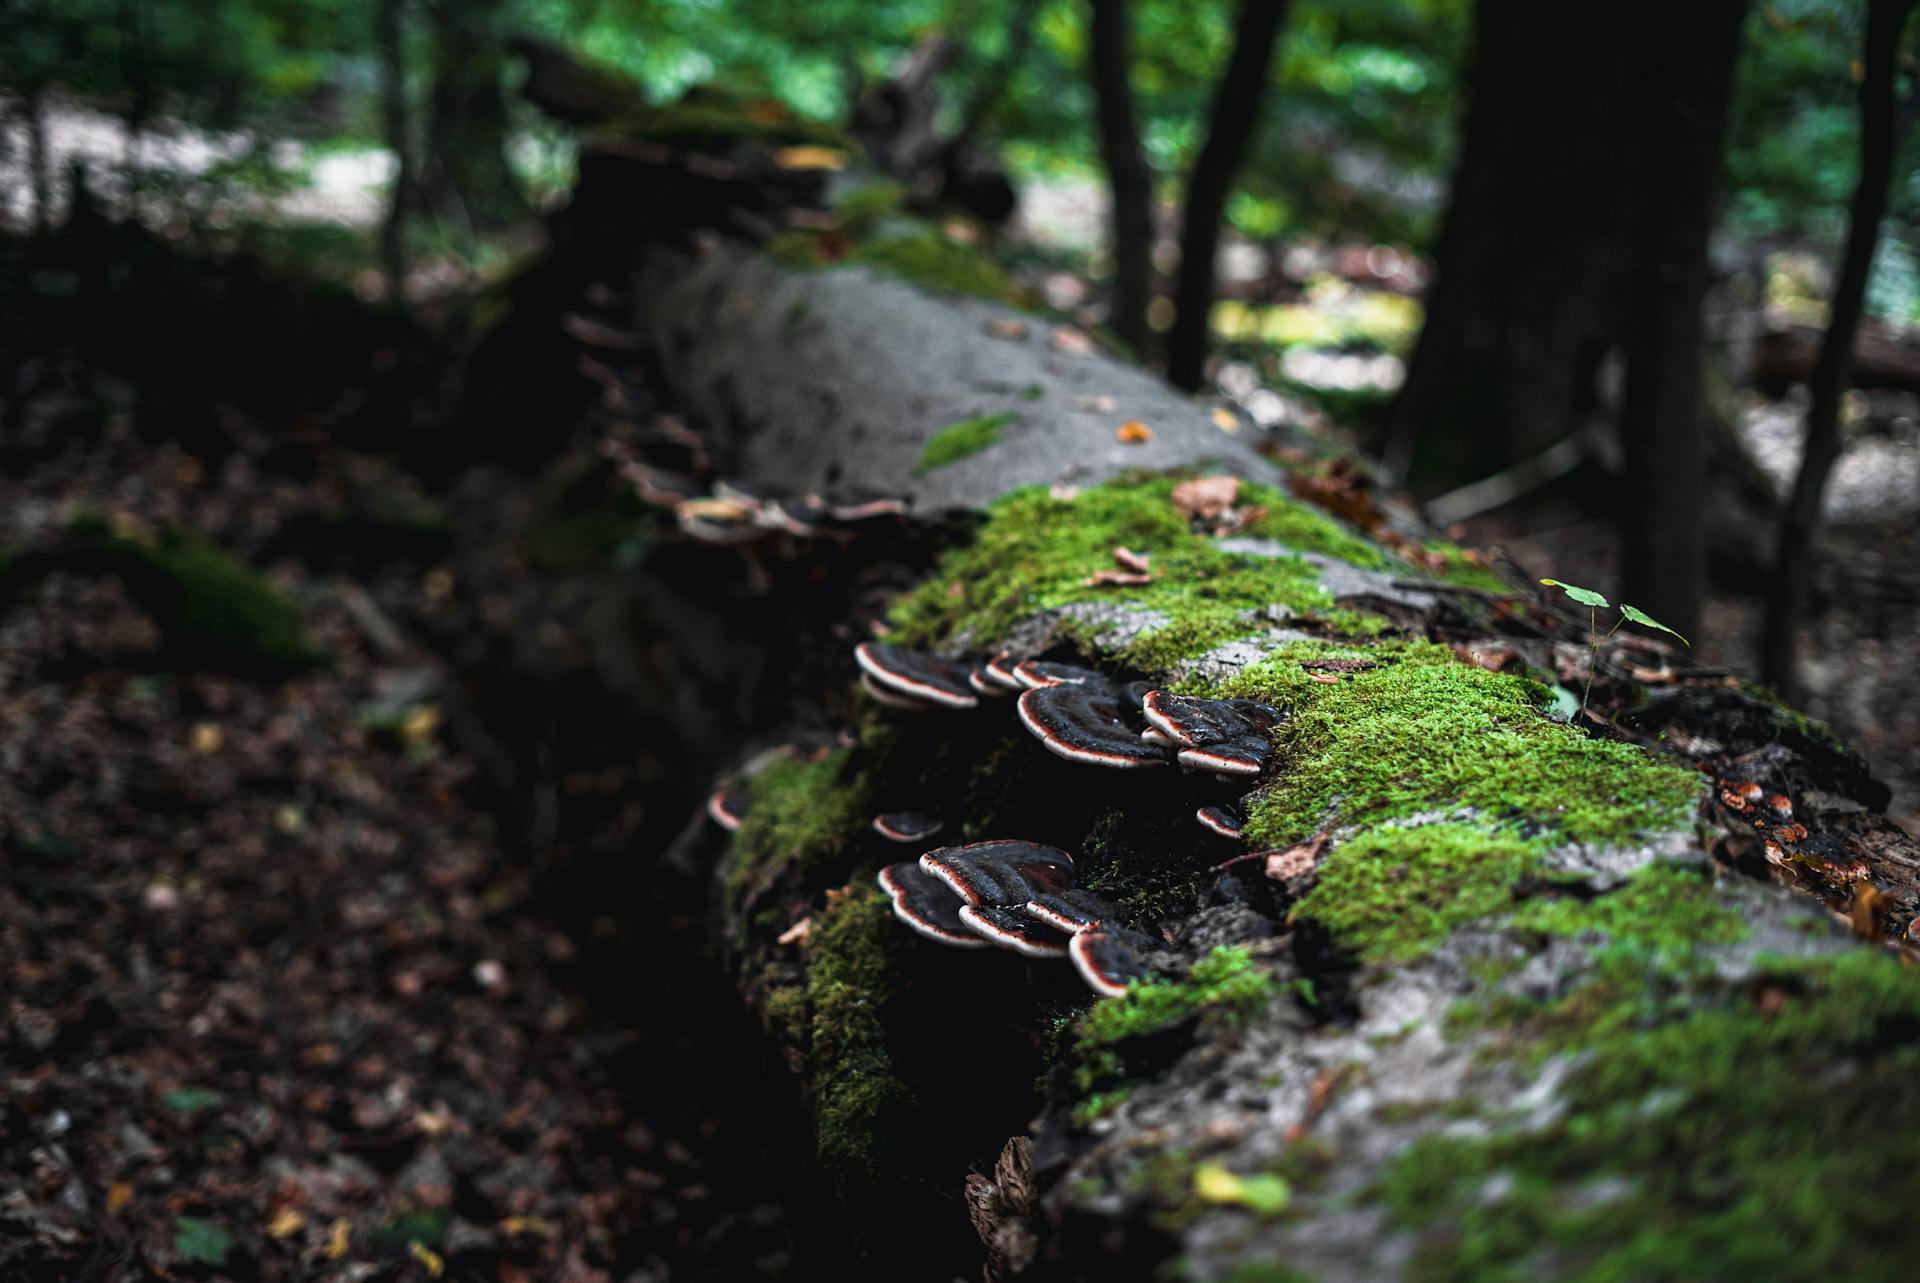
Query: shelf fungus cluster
pixel 1019 896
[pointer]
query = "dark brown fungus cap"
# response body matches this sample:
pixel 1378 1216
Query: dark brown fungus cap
pixel 906 826
pixel 1035 673
pixel 1108 957
pixel 1134 694
pixel 925 903
pixel 893 699
pixel 854 506
pixel 1226 820
pixel 1013 929
pixel 999 671
pixel 727 806
pixel 916 675
pixel 983 683
pixel 1075 909
pixel 1245 756
pixel 1084 725
pixel 1196 722
pixel 1001 871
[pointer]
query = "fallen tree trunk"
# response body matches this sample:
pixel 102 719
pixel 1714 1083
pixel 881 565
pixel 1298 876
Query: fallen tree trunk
pixel 1477 992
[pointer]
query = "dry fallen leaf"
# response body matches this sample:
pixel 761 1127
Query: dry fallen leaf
pixel 1224 419
pixel 1116 579
pixel 1869 910
pixel 1128 559
pixel 805 157
pixel 285 1223
pixel 1133 432
pixel 206 737
pixel 1004 329
pixel 1076 342
pixel 1206 498
pixel 119 1194
pixel 1096 404
pixel 428 1257
pixel 337 1239
pixel 1296 860
pixel 798 932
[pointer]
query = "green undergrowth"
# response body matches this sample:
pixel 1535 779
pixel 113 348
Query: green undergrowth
pixel 1705 1130
pixel 1456 781
pixel 855 958
pixel 1226 984
pixel 963 440
pixel 211 609
pixel 1035 551
pixel 803 812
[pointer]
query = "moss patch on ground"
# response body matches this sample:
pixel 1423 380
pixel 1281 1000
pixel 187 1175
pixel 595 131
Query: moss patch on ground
pixel 1035 551
pixel 963 440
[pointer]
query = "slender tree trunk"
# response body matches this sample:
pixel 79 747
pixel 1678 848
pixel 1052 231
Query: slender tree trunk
pixel 1525 302
pixel 1663 424
pixel 1131 182
pixel 38 166
pixel 390 36
pixel 1800 526
pixel 1230 129
pixel 467 117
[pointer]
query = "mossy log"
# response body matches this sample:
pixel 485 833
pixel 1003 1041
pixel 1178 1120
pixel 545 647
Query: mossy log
pixel 1485 991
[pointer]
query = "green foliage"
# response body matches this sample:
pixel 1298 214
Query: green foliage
pixel 962 440
pixel 201 1242
pixel 191 1100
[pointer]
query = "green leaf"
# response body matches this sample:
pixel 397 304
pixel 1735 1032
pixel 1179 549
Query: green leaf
pixel 1565 704
pixel 201 1242
pixel 1585 596
pixel 1641 617
pixel 191 1100
pixel 1264 1193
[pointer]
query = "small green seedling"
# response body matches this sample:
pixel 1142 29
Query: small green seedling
pixel 1594 603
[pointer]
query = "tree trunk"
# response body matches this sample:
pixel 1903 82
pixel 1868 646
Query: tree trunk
pixel 1800 527
pixel 39 165
pixel 390 37
pixel 1230 129
pixel 1663 425
pixel 471 182
pixel 1109 64
pixel 1526 298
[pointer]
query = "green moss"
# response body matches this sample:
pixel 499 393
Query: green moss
pixel 962 440
pixel 211 609
pixel 866 206
pixel 1666 910
pixel 1458 568
pixel 1225 983
pixel 717 113
pixel 1759 1131
pixel 933 262
pixel 854 960
pixel 787 1014
pixel 1035 551
pixel 1099 1104
pixel 804 812
pixel 1424 736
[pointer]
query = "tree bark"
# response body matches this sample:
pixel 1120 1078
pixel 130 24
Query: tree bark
pixel 1663 428
pixel 1800 526
pixel 471 181
pixel 1526 297
pixel 1129 180
pixel 1231 126
pixel 390 37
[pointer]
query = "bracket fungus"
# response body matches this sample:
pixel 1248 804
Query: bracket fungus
pixel 1086 724
pixel 1015 929
pixel 927 905
pixel 1108 957
pixel 1074 909
pixel 1000 871
pixel 1226 819
pixel 907 826
pixel 913 675
pixel 727 806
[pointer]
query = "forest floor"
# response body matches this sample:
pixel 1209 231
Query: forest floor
pixel 288 991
